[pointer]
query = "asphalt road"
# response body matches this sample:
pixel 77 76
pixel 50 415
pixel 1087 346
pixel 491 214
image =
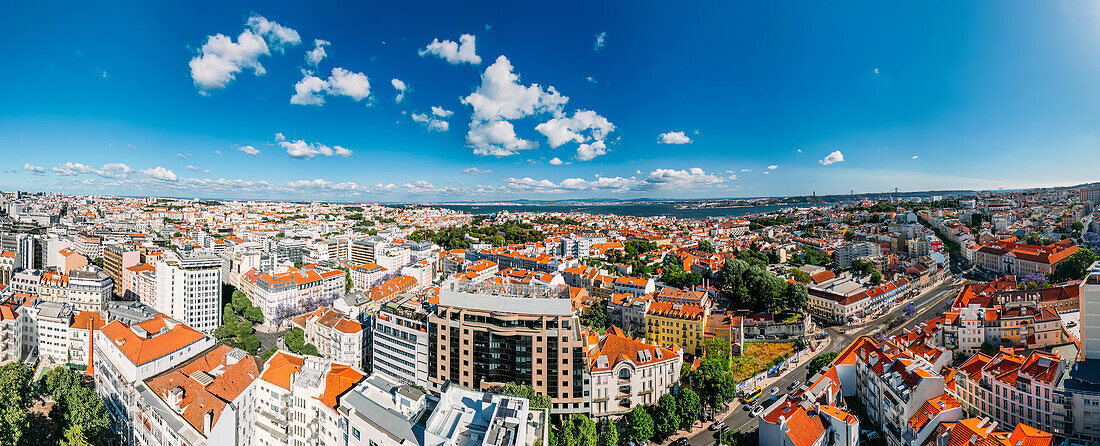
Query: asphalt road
pixel 929 305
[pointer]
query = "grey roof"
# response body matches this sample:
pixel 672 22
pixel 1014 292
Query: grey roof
pixel 395 425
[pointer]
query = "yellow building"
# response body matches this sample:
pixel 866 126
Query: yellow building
pixel 669 324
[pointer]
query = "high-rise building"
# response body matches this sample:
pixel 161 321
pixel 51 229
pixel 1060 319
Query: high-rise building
pixel 188 288
pixel 483 335
pixel 1090 313
pixel 117 258
pixel 400 342
pixel 1089 194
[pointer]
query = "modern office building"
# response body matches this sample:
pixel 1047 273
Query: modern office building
pixel 484 335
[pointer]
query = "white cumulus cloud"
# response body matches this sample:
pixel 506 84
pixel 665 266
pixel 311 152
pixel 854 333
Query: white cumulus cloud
pixel 561 130
pixel 249 150
pixel 310 90
pixel 475 171
pixel 160 173
pixel 433 124
pixel 588 151
pixel 318 53
pixel 400 86
pixel 831 158
pixel 34 169
pixel 301 149
pixel 500 98
pixel 220 59
pixel 462 51
pixel 441 112
pixel 496 138
pixel 680 179
pixel 773 167
pixel 556 161
pixel 673 138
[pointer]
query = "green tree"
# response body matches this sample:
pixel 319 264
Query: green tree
pixel 268 353
pixel 689 407
pixel 596 316
pixel 1077 226
pixel 15 399
pixel 309 349
pixel 584 429
pixel 244 328
pixel 74 436
pixel 86 410
pixel 820 362
pixel 713 382
pixel 666 416
pixel 795 297
pixel 239 300
pixel 249 343
pixel 799 275
pixel 295 339
pixel 705 246
pixel 1073 267
pixel 989 349
pixel 538 400
pixel 254 314
pixel 77 404
pixel 876 278
pixel 639 425
pixel 609 434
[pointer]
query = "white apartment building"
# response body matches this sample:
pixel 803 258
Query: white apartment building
pixel 1090 313
pixel 634 285
pixel 399 346
pixel 188 289
pixel 363 276
pixel 89 289
pixel 202 401
pixel 126 355
pixel 50 330
pixel 82 336
pixel 627 372
pixel 90 245
pixel 848 252
pixel 296 399
pixel 335 335
pixel 289 288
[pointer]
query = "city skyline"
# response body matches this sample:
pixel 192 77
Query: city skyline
pixel 478 102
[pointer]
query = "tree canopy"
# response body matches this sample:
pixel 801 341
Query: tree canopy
pixel 819 362
pixel 753 287
pixel 15 399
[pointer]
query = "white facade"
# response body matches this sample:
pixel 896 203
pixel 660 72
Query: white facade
pixel 188 288
pixel 1090 313
pixel 400 343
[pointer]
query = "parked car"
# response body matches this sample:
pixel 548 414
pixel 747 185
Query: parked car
pixel 717 425
pixel 794 385
pixel 679 442
pixel 775 390
pixel 756 411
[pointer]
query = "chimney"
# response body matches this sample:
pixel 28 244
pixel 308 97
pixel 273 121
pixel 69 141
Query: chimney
pixel 207 420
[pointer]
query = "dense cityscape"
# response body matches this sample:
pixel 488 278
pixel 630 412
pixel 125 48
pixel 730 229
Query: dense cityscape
pixel 479 223
pixel 903 321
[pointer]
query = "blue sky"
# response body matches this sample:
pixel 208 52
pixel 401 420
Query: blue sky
pixel 727 99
